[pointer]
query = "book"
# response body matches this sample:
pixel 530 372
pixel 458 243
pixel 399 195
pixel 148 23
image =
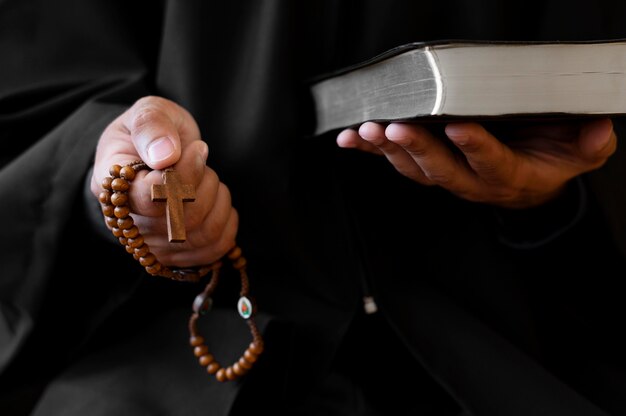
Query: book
pixel 454 79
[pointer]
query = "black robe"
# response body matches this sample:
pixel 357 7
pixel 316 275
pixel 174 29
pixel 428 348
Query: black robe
pixel 485 312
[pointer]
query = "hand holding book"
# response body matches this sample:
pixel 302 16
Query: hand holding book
pixel 475 165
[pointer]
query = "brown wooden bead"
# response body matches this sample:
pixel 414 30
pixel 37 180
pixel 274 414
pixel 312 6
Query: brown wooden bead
pixel 132 232
pixel 240 263
pixel 127 173
pixel 114 170
pixel 123 240
pixel 206 359
pixel 104 197
pixel 142 250
pixel 136 242
pixel 196 340
pixel 106 183
pixel 213 367
pixel 111 221
pixel 117 232
pixel 244 364
pixel 200 350
pixel 125 223
pixel 154 269
pixel 119 199
pixel 256 347
pixel 129 249
pixel 221 375
pixel 249 356
pixel 108 210
pixel 238 369
pixel 230 374
pixel 147 260
pixel 121 212
pixel 119 184
pixel 235 253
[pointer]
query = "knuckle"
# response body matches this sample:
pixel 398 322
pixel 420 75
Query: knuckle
pixel 145 117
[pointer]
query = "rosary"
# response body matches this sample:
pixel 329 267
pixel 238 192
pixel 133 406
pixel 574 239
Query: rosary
pixel 116 209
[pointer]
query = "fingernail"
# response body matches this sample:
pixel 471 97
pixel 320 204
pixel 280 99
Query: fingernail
pixel 160 149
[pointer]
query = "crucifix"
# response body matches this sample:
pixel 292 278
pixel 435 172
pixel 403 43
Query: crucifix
pixel 173 193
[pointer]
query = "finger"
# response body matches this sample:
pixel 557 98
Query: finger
pixel 350 139
pixel 376 134
pixel 597 141
pixel 206 242
pixel 158 128
pixel 489 158
pixel 209 253
pixel 436 162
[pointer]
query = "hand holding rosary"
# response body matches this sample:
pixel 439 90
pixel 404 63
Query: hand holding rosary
pixel 114 200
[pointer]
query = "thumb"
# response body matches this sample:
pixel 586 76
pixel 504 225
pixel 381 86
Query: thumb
pixel 597 140
pixel 154 132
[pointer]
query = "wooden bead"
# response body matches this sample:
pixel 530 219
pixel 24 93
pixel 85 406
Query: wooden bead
pixel 249 356
pixel 154 269
pixel 123 240
pixel 200 350
pixel 213 368
pixel 127 173
pixel 147 260
pixel 235 253
pixel 119 184
pixel 221 375
pixel 206 359
pixel 125 223
pixel 196 340
pixel 117 232
pixel 240 263
pixel 136 242
pixel 256 347
pixel 129 249
pixel 119 199
pixel 244 364
pixel 111 221
pixel 106 183
pixel 132 232
pixel 104 197
pixel 238 369
pixel 114 170
pixel 108 210
pixel 230 374
pixel 142 250
pixel 121 212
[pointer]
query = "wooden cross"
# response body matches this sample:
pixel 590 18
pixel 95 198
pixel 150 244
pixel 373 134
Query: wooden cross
pixel 174 194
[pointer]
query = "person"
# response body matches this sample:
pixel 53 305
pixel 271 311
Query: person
pixel 394 268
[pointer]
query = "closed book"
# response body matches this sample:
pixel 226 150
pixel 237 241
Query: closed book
pixel 452 79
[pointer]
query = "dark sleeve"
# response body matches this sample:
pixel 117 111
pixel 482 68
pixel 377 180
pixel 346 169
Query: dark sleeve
pixel 64 80
pixel 534 227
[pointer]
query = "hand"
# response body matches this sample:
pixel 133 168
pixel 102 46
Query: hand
pixel 530 169
pixel 162 134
